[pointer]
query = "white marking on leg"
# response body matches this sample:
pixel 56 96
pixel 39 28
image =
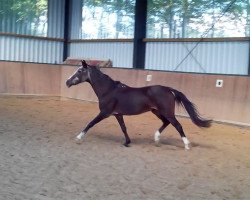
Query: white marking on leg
pixel 186 143
pixel 157 136
pixel 80 136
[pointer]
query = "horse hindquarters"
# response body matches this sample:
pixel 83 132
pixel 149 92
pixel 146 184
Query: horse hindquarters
pixel 162 100
pixel 165 105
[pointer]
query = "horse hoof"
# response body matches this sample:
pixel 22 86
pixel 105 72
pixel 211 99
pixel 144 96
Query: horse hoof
pixel 187 148
pixel 157 144
pixel 78 141
pixel 126 145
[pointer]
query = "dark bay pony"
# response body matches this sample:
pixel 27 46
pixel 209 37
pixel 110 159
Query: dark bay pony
pixel 118 99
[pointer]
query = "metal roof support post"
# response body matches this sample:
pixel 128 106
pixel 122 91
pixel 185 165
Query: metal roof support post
pixel 139 34
pixel 66 29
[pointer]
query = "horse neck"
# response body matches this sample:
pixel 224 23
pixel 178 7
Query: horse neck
pixel 101 83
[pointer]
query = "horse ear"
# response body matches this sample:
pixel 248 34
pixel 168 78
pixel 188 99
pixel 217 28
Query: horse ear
pixel 84 64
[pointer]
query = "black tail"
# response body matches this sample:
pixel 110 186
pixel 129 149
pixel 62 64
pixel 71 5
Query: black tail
pixel 191 109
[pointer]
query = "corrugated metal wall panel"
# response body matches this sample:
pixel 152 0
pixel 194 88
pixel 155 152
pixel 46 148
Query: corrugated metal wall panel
pixel 120 53
pixel 30 50
pixel 19 18
pixel 207 57
pixel 76 19
pixel 36 50
pixel 56 18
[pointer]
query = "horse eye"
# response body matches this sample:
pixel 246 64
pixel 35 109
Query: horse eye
pixel 79 71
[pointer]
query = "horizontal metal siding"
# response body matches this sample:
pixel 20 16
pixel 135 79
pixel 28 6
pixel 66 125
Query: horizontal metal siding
pixel 120 53
pixel 30 50
pixel 207 57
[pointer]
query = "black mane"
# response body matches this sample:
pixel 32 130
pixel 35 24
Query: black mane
pixel 99 72
pixel 107 78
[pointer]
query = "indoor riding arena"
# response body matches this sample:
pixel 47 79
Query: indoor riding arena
pixel 205 56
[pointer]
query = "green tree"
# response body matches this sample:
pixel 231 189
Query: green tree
pixel 247 28
pixel 22 15
pixel 162 12
pixel 184 17
pixel 123 9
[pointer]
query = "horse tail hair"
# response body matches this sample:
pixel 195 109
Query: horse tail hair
pixel 191 109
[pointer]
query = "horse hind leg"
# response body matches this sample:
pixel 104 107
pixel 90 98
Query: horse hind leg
pixel 159 131
pixel 178 127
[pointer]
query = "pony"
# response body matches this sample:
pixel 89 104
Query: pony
pixel 118 99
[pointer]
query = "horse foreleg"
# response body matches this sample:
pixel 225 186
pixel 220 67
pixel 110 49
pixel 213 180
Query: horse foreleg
pixel 96 120
pixel 124 129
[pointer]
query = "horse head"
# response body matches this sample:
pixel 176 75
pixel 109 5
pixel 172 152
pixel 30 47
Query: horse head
pixel 81 75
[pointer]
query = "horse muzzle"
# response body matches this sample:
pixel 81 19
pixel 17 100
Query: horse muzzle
pixel 69 83
pixel 73 81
